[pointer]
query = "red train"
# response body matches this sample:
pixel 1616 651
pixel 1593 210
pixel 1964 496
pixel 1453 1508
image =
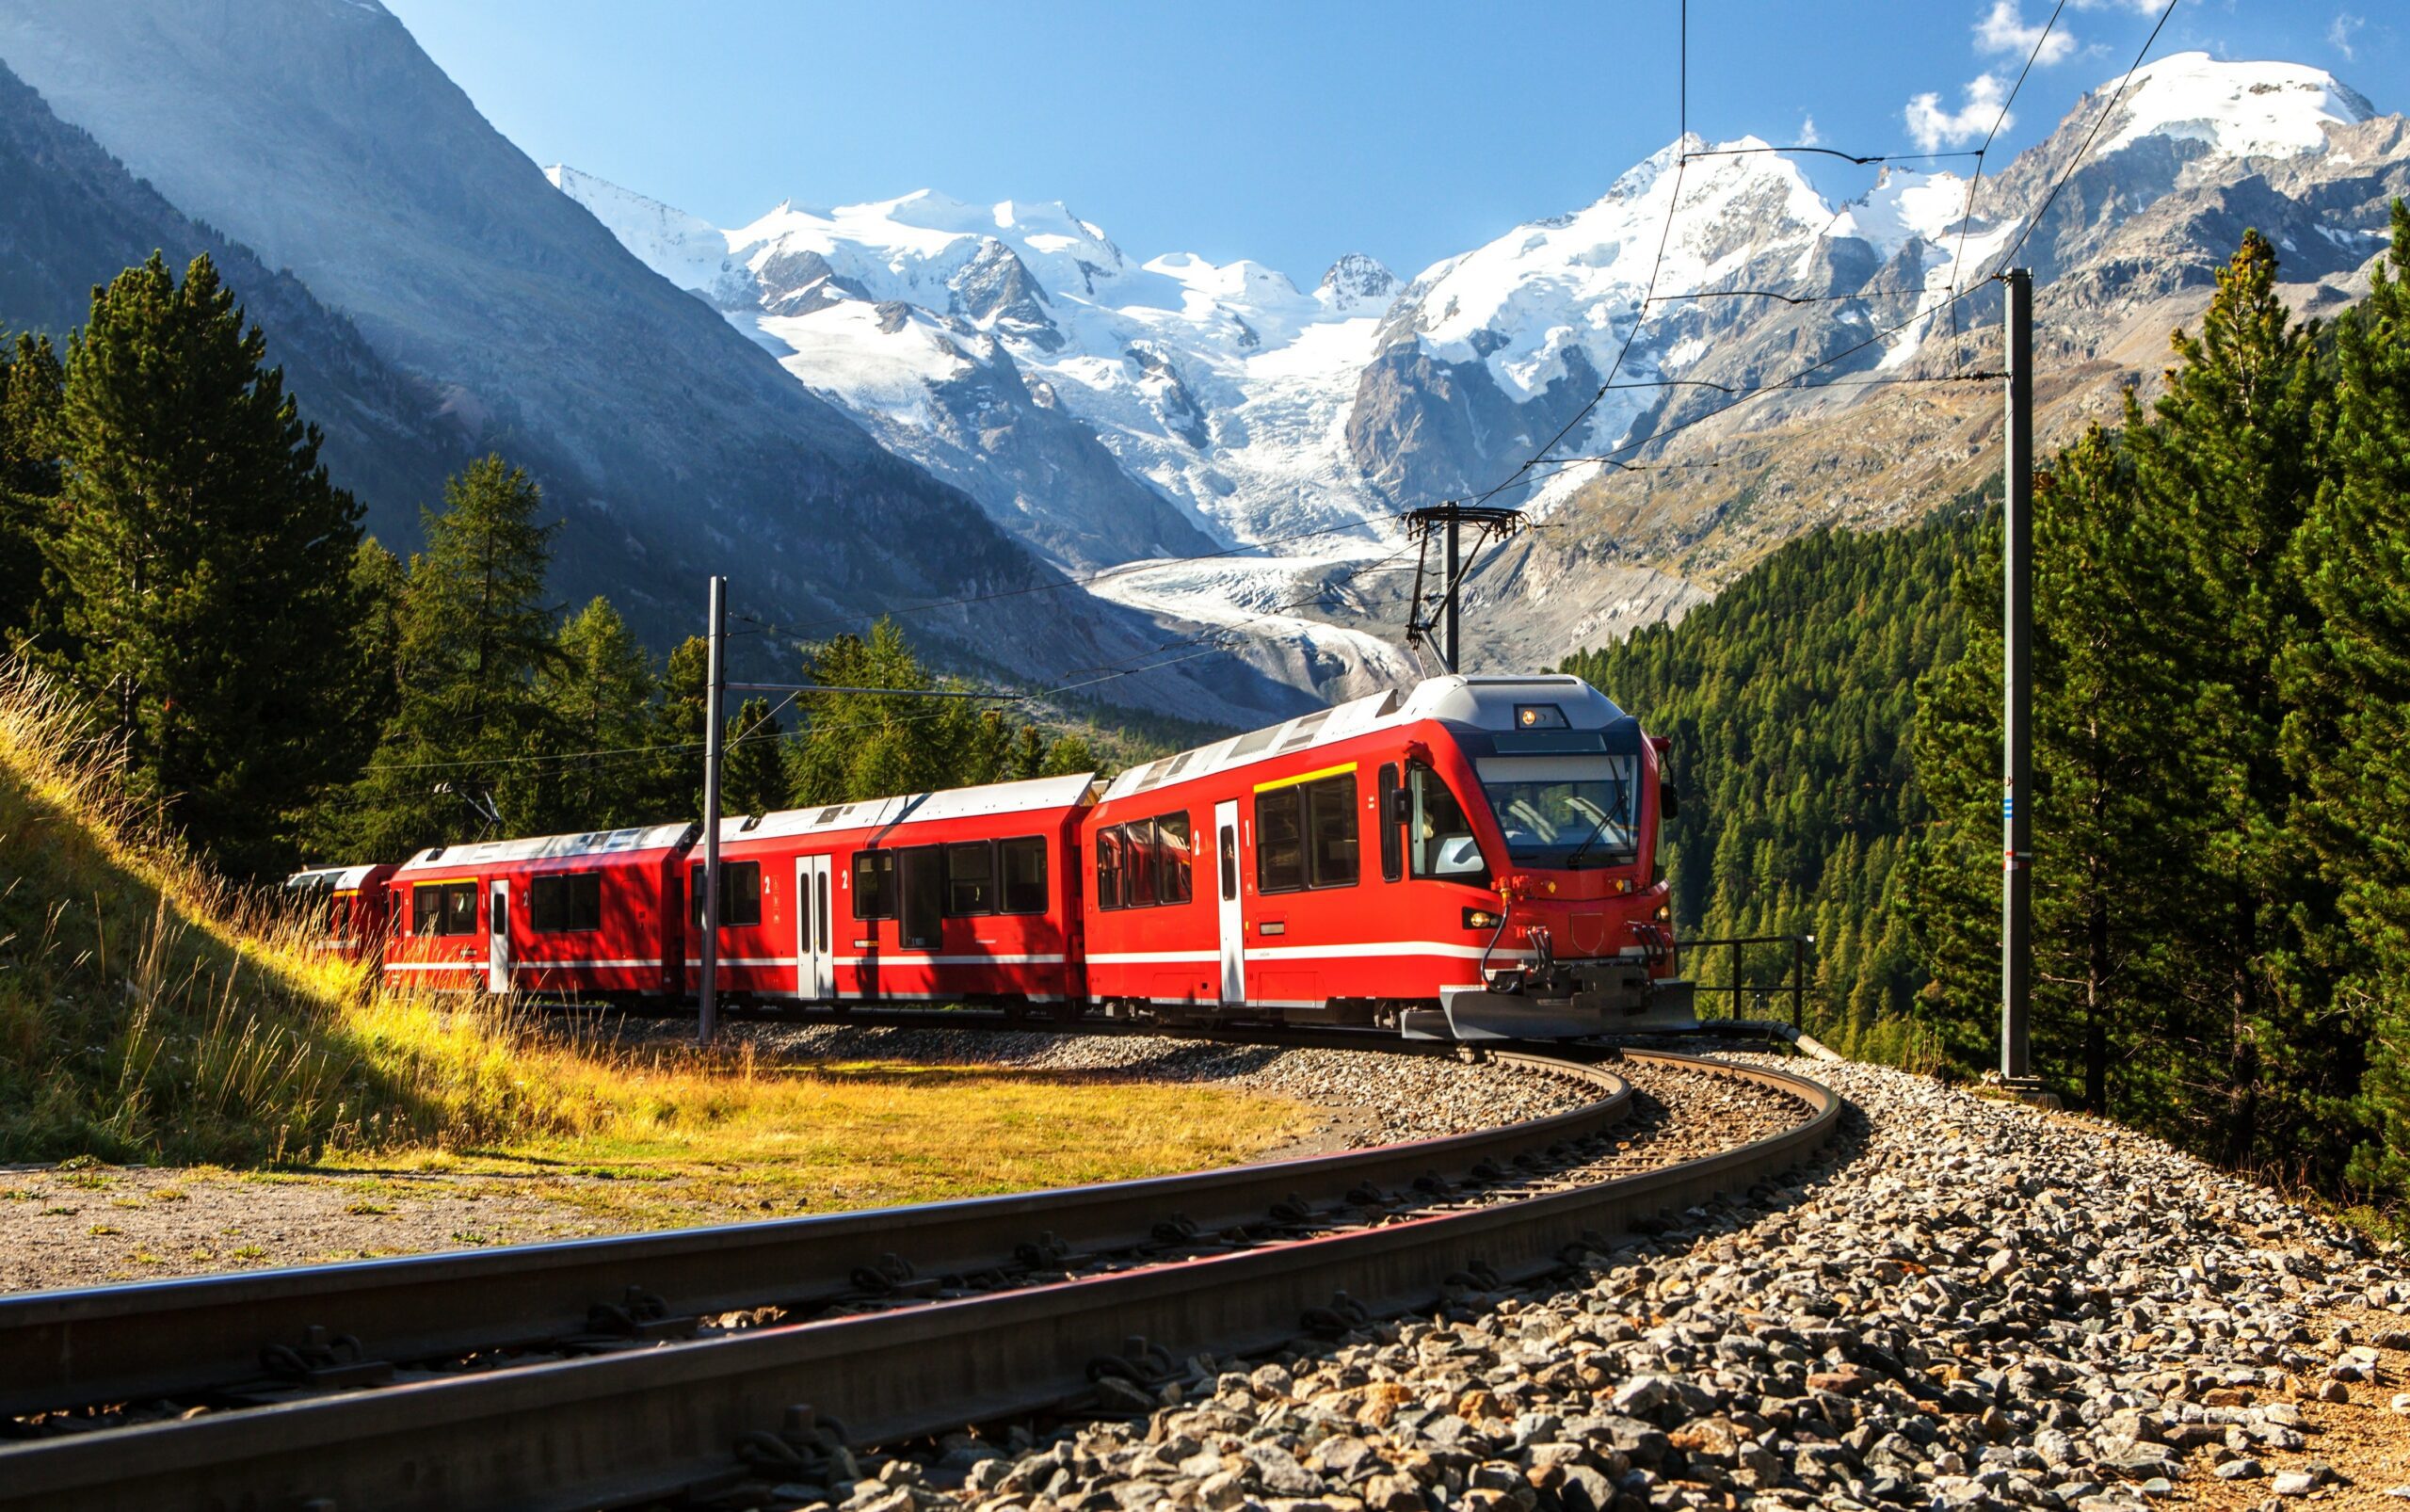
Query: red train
pixel 1475 858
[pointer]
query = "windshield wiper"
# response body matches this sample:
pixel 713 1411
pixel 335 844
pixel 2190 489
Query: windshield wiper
pixel 1600 829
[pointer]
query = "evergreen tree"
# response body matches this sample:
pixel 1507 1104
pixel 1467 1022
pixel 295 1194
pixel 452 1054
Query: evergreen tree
pixel 471 741
pixel 753 768
pixel 683 715
pixel 2348 737
pixel 599 688
pixel 203 561
pixel 30 383
pixel 2110 801
pixel 2227 464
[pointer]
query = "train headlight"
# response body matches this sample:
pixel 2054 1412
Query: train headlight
pixel 1481 919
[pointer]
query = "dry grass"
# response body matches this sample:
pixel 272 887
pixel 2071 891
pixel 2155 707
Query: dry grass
pixel 151 1012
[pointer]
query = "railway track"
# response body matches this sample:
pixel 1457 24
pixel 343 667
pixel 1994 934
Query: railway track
pixel 627 1370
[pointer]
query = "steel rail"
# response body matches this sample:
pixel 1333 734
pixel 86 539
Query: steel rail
pixel 634 1426
pixel 151 1339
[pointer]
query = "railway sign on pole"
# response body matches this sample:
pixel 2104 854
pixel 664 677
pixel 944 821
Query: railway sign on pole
pixel 2016 667
pixel 707 988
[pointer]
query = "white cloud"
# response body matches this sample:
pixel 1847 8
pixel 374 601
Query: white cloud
pixel 2338 34
pixel 2003 30
pixel 1809 135
pixel 1934 128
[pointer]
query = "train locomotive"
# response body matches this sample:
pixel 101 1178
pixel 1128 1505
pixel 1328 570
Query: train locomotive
pixel 1475 858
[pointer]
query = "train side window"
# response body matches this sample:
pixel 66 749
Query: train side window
pixel 1280 839
pixel 1172 883
pixel 874 884
pixel 445 909
pixel 740 894
pixel 566 904
pixel 919 896
pixel 1230 862
pixel 1385 815
pixel 1021 864
pixel 1108 869
pixel 1330 823
pixel 1440 840
pixel 1138 864
pixel 820 888
pixel 970 880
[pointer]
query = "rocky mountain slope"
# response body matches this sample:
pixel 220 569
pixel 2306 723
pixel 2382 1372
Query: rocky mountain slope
pixel 316 132
pixel 1276 418
pixel 75 218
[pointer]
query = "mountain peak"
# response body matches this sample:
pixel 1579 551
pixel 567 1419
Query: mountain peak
pixel 2241 110
pixel 1356 282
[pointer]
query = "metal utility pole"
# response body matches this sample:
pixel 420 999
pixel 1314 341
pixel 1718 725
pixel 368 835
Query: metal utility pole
pixel 1447 522
pixel 1449 645
pixel 2016 666
pixel 707 989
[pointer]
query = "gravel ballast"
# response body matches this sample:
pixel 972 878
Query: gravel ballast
pixel 1965 1304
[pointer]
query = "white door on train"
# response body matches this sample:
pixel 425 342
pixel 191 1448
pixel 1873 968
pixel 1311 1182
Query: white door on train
pixel 1225 879
pixel 816 972
pixel 498 937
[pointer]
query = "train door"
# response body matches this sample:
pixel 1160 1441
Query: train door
pixel 1233 920
pixel 816 977
pixel 498 936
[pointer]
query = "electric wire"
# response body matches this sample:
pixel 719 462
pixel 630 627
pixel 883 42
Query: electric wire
pixel 2106 111
pixel 1967 216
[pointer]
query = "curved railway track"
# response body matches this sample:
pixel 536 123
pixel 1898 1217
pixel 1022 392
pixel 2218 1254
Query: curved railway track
pixel 631 1369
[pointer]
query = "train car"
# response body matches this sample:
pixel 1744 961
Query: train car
pixel 1475 858
pixel 968 895
pixel 350 904
pixel 594 915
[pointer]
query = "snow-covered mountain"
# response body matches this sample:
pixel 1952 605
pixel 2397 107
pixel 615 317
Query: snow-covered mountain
pixel 1014 348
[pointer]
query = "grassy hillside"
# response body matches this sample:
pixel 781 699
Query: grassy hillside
pixel 150 1013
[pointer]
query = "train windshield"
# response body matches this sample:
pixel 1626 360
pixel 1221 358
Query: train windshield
pixel 1564 810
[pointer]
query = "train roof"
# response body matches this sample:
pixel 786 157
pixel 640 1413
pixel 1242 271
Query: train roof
pixel 1030 796
pixel 1475 702
pixel 332 879
pixel 553 848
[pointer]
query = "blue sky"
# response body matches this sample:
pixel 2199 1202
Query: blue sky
pixel 1292 132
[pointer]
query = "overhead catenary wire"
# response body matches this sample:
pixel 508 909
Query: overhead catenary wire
pixel 2106 111
pixel 1966 215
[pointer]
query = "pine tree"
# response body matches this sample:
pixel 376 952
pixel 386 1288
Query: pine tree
pixel 473 735
pixel 753 770
pixel 600 687
pixel 204 559
pixel 2348 737
pixel 2109 802
pixel 683 715
pixel 30 382
pixel 2228 463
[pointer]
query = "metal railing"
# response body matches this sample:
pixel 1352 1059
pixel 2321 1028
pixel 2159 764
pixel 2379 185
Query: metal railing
pixel 1792 982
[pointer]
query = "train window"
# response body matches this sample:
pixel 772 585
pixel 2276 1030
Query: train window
pixel 740 894
pixel 444 909
pixel 1392 847
pixel 970 880
pixel 874 884
pixel 1230 862
pixel 1280 839
pixel 1172 858
pixel 1439 841
pixel 1108 869
pixel 919 896
pixel 1138 864
pixel 1330 826
pixel 1022 886
pixel 565 903
pixel 820 888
